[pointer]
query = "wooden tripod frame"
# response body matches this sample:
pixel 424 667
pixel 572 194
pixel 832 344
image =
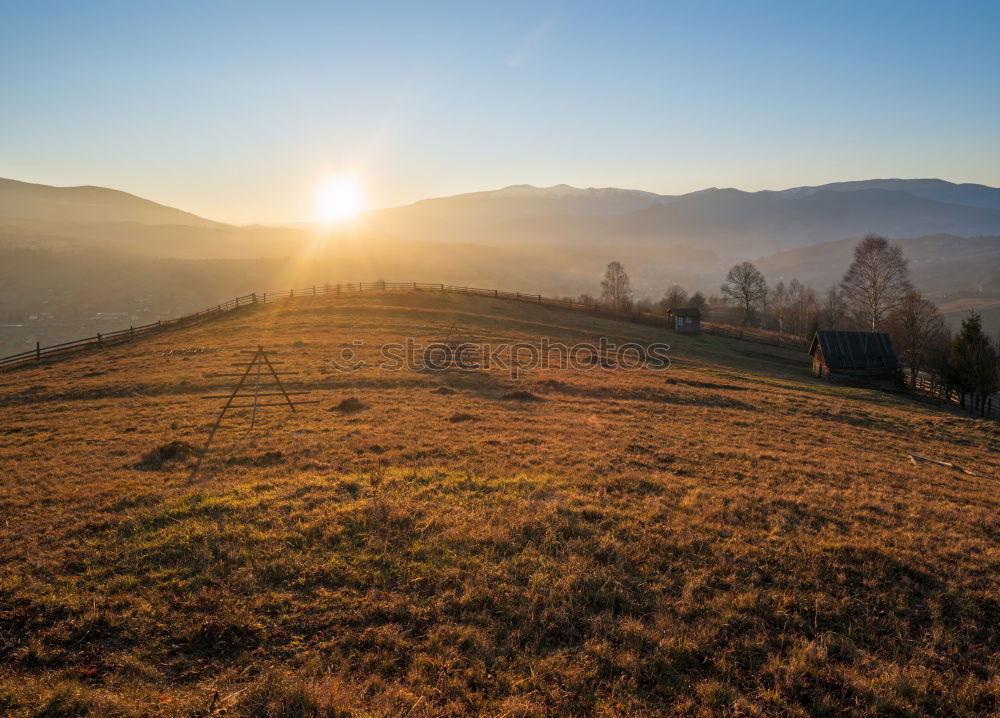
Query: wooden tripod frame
pixel 258 362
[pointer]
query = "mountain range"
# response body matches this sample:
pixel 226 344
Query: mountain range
pixel 729 222
pixel 724 220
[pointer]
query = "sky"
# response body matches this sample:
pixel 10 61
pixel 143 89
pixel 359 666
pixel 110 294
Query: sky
pixel 239 111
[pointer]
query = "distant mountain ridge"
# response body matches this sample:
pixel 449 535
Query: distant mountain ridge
pixel 728 221
pixel 972 195
pixel 772 220
pixel 27 202
pixel 527 200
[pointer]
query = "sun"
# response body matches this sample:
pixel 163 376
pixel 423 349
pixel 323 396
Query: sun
pixel 340 200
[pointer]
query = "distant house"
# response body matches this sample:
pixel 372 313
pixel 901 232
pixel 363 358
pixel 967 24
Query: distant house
pixel 858 355
pixel 685 320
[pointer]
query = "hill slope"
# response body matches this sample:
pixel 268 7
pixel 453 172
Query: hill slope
pixel 956 272
pixel 21 202
pixel 935 261
pixel 725 536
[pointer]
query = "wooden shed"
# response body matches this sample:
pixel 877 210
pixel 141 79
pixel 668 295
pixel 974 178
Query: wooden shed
pixel 686 320
pixel 859 355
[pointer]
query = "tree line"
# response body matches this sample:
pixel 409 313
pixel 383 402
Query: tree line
pixel 875 294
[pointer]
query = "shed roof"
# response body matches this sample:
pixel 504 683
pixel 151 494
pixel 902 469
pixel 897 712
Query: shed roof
pixel 692 312
pixel 855 350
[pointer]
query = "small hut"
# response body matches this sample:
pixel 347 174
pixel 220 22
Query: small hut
pixel 685 320
pixel 853 355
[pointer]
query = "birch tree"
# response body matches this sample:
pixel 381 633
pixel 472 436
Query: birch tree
pixel 876 282
pixel 616 289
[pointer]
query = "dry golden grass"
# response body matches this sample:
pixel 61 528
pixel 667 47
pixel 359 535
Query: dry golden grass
pixel 726 537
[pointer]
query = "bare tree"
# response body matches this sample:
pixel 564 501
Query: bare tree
pixel 616 291
pixel 676 296
pixel 698 301
pixel 876 281
pixel 746 286
pixel 834 309
pixel 644 306
pixel 916 327
pixel 803 309
pixel 779 307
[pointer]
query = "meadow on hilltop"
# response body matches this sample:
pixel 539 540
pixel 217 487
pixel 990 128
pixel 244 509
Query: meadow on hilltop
pixel 726 536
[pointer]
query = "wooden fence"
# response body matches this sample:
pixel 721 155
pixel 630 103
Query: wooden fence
pixel 758 336
pixel 940 394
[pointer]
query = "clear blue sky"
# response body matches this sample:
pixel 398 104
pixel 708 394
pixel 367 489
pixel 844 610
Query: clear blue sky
pixel 236 110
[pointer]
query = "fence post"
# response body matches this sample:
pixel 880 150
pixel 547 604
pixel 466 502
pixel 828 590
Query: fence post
pixel 237 302
pixel 131 332
pixel 265 298
pixel 99 340
pixel 442 287
pixel 253 297
pixel 38 351
pixel 291 294
pixel 494 292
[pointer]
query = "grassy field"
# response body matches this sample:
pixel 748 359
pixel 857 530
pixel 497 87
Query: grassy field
pixel 728 536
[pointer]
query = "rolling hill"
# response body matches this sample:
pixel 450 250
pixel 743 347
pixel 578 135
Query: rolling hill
pixel 22 202
pixel 935 261
pixel 958 273
pixel 728 536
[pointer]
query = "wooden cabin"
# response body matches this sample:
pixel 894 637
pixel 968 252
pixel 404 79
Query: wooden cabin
pixel 853 355
pixel 685 320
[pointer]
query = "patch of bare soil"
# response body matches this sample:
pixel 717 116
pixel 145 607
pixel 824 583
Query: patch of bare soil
pixel 520 396
pixel 170 453
pixel 350 404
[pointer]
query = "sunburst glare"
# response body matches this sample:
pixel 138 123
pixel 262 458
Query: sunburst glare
pixel 340 200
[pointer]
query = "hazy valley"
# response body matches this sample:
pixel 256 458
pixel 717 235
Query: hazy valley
pixel 87 259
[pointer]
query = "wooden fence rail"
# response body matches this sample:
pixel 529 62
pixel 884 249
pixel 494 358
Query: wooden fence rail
pixel 940 393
